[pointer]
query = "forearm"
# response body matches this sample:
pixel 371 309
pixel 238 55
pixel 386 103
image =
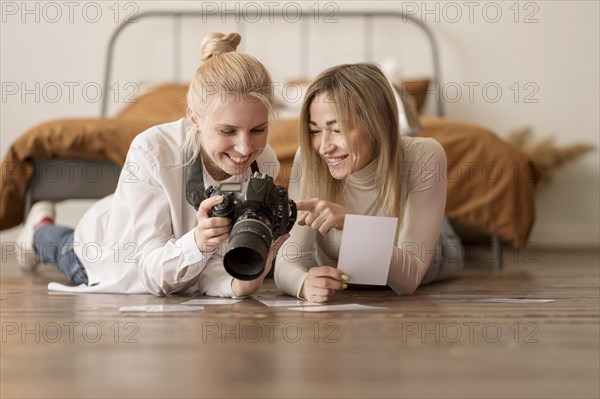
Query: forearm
pixel 289 276
pixel 245 288
pixel 406 271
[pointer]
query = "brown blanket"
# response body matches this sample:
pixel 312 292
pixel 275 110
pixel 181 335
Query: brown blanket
pixel 89 139
pixel 490 183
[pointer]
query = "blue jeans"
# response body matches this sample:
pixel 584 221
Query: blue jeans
pixel 449 257
pixel 54 244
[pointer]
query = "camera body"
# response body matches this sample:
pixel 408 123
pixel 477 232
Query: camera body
pixel 260 212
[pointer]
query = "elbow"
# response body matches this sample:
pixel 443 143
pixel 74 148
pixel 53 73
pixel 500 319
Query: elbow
pixel 406 273
pixel 403 289
pixel 154 288
pixel 410 289
pixel 152 284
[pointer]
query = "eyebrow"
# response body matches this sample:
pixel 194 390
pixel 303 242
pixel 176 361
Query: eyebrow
pixel 327 123
pixel 228 126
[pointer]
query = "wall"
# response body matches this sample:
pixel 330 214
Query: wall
pixel 505 65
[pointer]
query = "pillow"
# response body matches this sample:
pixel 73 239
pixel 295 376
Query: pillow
pixel 283 138
pixel 167 101
pixel 415 90
pixel 412 114
pixel 407 113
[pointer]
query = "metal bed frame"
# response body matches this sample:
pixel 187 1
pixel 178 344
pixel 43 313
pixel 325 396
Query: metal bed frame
pixel 368 17
pixel 76 187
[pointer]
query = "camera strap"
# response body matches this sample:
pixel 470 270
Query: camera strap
pixel 194 179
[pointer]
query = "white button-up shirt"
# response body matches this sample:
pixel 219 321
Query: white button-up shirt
pixel 141 238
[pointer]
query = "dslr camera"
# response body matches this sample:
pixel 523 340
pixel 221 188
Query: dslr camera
pixel 260 212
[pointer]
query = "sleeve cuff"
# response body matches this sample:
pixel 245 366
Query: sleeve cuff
pixel 193 259
pixel 301 277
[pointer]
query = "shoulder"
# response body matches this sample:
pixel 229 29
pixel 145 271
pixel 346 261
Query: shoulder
pixel 171 133
pixel 164 142
pixel 422 149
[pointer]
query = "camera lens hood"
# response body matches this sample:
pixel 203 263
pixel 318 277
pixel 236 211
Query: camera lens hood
pixel 247 250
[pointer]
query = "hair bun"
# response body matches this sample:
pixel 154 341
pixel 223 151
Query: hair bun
pixel 218 43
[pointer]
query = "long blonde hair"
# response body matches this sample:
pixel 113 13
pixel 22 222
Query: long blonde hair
pixel 222 72
pixel 358 93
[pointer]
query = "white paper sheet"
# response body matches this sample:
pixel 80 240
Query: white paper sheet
pixel 336 308
pixel 219 301
pixel 288 302
pixel 366 248
pixel 514 300
pixel 160 308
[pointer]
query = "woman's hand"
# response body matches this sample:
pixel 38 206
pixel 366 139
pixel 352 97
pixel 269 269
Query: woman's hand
pixel 244 288
pixel 322 215
pixel 322 282
pixel 210 231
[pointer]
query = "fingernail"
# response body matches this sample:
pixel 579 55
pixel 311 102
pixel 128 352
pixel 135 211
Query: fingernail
pixel 345 278
pixel 345 286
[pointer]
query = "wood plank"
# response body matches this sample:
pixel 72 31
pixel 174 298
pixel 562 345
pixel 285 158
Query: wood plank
pixel 439 342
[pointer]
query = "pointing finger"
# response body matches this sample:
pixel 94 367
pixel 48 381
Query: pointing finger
pixel 305 205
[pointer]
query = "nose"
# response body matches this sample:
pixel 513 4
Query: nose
pixel 244 144
pixel 327 144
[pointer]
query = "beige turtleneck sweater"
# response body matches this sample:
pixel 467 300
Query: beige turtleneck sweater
pixel 425 201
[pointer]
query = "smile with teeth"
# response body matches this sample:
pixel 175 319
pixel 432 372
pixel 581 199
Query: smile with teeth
pixel 237 159
pixel 335 161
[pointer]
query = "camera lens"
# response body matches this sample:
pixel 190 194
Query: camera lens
pixel 248 246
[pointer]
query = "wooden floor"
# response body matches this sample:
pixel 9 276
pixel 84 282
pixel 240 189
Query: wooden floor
pixel 439 342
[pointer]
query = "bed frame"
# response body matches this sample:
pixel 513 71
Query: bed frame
pixel 73 186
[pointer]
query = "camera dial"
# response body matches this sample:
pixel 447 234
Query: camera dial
pixel 225 207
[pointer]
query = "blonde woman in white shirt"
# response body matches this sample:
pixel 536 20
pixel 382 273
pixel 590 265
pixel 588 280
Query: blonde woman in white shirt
pixel 354 161
pixel 148 236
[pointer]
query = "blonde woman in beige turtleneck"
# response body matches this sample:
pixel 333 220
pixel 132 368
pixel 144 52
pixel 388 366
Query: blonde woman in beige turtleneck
pixel 353 161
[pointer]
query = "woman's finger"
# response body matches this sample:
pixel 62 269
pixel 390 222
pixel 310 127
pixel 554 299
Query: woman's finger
pixel 214 222
pixel 206 206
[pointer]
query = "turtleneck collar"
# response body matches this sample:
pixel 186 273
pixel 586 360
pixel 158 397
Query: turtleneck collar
pixel 364 178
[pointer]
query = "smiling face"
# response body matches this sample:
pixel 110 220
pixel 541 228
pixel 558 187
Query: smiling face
pixel 233 136
pixel 328 140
